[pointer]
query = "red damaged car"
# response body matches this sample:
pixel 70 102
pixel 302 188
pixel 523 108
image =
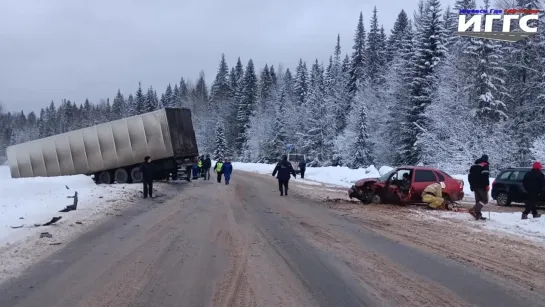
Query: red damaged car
pixel 386 188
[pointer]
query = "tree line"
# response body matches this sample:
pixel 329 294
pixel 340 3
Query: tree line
pixel 418 95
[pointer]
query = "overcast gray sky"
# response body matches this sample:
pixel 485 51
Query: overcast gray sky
pixel 76 49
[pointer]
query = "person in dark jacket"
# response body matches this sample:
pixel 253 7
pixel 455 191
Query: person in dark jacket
pixel 227 170
pixel 302 167
pixel 207 164
pixel 479 183
pixel 534 184
pixel 147 177
pixel 284 170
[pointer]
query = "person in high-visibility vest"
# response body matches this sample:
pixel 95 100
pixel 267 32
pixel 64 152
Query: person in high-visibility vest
pixel 199 167
pixel 217 168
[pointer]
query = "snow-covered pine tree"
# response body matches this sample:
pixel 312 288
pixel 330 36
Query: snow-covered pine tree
pixel 220 148
pixel 131 107
pixel 319 125
pixel 358 151
pixel 524 61
pixel 429 52
pixel 232 128
pixel 140 100
pixel 279 136
pixel 246 107
pixel 358 61
pixel 300 86
pixel 118 106
pixel 150 102
pixel 374 52
pixel 396 36
pixel 170 100
pixel 183 100
pixel 220 92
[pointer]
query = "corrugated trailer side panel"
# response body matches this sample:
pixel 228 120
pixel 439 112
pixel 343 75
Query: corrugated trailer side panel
pixel 106 146
pixel 182 134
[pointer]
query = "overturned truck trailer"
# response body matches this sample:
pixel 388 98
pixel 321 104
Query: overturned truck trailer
pixel 112 151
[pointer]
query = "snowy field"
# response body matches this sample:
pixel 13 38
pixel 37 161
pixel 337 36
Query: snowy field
pixel 506 222
pixel 29 202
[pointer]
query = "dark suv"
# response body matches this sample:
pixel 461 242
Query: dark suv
pixel 507 187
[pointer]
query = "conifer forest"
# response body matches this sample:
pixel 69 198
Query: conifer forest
pixel 418 95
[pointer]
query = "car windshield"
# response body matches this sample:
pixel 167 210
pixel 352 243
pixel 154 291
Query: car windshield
pixel 384 177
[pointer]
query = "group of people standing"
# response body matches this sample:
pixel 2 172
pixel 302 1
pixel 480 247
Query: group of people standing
pixel 202 166
pixel 479 182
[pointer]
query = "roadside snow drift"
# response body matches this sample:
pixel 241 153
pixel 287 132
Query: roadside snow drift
pixel 334 175
pixel 25 202
pixel 507 222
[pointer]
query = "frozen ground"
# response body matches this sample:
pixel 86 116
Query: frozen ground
pixel 507 222
pixel 25 203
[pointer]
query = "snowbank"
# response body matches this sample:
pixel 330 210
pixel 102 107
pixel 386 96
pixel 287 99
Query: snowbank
pixel 28 201
pixel 340 176
pixel 507 222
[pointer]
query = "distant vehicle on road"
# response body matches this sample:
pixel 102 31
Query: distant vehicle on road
pixel 112 151
pixel 385 188
pixel 294 160
pixel 507 188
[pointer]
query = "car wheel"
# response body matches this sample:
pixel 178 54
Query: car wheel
pixel 376 198
pixel 503 199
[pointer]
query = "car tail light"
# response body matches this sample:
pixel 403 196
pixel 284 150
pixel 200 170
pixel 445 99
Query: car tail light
pixel 461 184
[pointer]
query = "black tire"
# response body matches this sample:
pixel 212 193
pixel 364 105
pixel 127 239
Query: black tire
pixel 121 176
pixel 376 199
pixel 503 199
pixel 136 174
pixel 106 177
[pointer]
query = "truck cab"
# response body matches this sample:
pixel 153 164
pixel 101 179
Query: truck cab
pixel 294 160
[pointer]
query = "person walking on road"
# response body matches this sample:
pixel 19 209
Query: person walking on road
pixel 227 170
pixel 479 183
pixel 218 168
pixel 534 184
pixel 302 167
pixel 207 164
pixel 147 177
pixel 284 170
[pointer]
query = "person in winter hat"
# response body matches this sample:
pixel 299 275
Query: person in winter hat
pixel 534 184
pixel 479 183
pixel 284 170
pixel 227 170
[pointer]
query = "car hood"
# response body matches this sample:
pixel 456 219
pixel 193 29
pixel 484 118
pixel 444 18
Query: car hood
pixel 363 181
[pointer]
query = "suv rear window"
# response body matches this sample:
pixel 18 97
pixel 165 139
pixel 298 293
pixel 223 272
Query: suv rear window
pixel 425 176
pixel 504 175
pixel 517 175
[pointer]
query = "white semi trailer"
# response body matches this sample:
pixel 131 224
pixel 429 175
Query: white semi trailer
pixel 113 151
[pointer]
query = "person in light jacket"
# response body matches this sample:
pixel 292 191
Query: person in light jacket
pixel 433 196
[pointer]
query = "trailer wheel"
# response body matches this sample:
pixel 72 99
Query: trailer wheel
pixel 121 175
pixel 136 174
pixel 105 177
